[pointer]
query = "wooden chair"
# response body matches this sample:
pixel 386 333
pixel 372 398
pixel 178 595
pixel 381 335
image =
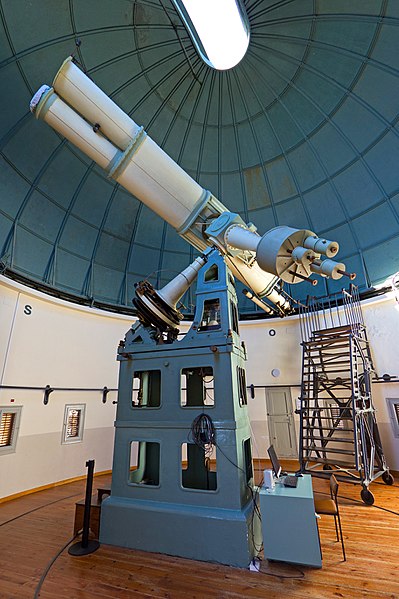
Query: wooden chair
pixel 329 507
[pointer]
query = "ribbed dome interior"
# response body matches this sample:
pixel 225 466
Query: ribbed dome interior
pixel 303 132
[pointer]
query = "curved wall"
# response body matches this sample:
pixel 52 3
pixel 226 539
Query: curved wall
pixel 282 351
pixel 48 341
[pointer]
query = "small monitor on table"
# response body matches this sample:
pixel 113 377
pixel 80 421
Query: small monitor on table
pixel 274 460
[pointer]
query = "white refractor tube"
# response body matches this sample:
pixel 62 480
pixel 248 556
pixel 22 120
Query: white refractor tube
pixel 80 111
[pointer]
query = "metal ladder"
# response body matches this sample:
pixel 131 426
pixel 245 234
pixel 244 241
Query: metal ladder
pixel 338 428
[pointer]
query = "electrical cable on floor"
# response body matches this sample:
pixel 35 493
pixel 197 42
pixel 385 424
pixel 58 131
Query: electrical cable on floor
pixel 302 574
pixel 39 508
pixel 51 563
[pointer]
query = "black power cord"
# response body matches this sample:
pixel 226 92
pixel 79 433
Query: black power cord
pixel 203 434
pixel 51 563
pixel 39 508
pixel 254 498
pixel 300 572
pixel 256 510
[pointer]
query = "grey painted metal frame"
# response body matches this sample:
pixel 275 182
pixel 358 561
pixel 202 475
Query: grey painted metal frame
pixel 159 511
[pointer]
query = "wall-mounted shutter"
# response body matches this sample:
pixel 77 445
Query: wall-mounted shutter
pixel 74 416
pixel 73 424
pixel 7 428
pixel 10 418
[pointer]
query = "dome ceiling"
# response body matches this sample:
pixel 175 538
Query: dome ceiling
pixel 302 132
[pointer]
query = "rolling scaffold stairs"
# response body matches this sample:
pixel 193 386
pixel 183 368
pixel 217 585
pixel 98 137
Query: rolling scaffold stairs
pixel 338 427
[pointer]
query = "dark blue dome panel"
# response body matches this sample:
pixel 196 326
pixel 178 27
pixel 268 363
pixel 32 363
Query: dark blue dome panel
pixel 303 131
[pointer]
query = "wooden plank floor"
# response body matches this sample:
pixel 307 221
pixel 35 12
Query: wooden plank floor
pixel 34 528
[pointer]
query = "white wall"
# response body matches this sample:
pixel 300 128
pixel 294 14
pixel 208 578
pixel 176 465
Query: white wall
pixel 272 345
pixel 283 352
pixel 382 321
pixel 65 345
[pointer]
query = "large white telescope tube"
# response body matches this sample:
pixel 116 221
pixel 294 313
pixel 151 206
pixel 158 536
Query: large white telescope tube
pixel 80 111
pixel 94 105
pixel 143 168
pixel 86 116
pixel 66 121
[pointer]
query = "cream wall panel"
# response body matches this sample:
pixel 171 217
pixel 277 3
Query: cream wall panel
pixel 258 421
pixel 8 307
pixel 283 352
pixel 65 346
pixel 42 460
pixel 266 352
pixel 382 320
pixel 40 419
pixel 72 346
pixel 62 347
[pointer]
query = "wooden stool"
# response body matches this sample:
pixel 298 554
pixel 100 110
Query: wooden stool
pixel 95 511
pixel 103 491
